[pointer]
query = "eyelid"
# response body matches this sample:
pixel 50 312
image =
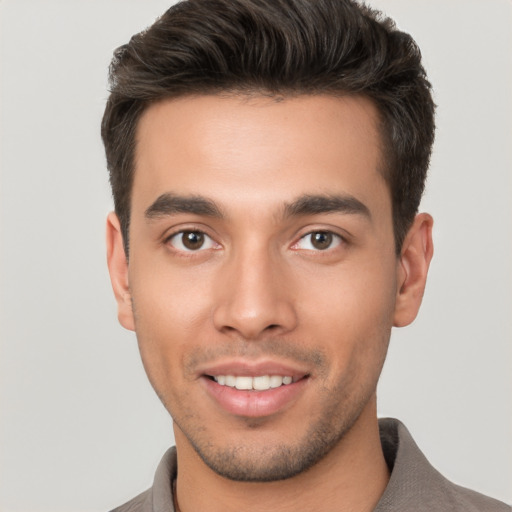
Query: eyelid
pixel 211 243
pixel 196 227
pixel 338 240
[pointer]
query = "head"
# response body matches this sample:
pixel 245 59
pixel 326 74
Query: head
pixel 267 158
pixel 276 48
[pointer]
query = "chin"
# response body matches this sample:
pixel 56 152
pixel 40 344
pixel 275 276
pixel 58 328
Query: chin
pixel 260 459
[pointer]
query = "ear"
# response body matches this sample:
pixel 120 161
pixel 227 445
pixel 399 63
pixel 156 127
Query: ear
pixel 118 269
pixel 415 257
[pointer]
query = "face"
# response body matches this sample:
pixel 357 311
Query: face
pixel 262 281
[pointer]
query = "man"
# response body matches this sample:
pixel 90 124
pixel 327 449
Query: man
pixel 267 160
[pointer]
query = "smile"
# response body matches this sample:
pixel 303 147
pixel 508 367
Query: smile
pixel 258 383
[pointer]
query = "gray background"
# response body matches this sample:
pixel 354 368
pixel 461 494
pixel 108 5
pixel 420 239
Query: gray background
pixel 80 429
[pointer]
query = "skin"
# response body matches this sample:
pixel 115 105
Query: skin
pixel 259 292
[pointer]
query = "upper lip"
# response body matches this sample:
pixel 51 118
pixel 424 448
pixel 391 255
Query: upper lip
pixel 241 367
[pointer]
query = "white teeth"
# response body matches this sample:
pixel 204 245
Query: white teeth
pixel 260 383
pixel 230 381
pixel 243 383
pixel 275 381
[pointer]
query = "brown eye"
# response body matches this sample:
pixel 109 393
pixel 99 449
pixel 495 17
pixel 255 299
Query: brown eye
pixel 321 240
pixel 191 241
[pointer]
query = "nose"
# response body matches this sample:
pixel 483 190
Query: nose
pixel 254 297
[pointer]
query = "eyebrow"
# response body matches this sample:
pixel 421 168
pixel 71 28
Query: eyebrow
pixel 318 204
pixel 170 204
pixel 308 204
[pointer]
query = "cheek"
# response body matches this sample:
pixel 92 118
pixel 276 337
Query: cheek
pixel 352 316
pixel 170 317
pixel 169 300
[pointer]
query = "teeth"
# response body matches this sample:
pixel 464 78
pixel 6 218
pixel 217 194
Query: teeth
pixel 243 383
pixel 230 381
pixel 275 381
pixel 260 383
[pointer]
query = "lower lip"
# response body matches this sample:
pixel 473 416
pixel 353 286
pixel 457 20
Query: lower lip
pixel 254 404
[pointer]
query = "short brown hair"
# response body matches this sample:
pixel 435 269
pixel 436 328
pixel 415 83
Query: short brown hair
pixel 276 47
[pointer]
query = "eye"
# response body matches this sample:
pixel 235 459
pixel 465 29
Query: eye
pixel 191 241
pixel 318 241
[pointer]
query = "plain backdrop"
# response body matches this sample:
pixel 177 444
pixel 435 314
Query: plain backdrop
pixel 80 427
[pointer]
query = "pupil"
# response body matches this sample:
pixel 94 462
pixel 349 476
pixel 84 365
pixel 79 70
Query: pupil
pixel 321 240
pixel 193 239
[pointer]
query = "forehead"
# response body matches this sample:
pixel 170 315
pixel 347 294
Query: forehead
pixel 257 148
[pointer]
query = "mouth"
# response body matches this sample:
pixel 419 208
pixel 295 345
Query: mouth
pixel 253 393
pixel 257 383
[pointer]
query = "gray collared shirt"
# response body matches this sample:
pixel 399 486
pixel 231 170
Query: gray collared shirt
pixel 414 485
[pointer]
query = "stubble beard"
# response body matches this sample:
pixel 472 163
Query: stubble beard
pixel 263 463
pixel 338 410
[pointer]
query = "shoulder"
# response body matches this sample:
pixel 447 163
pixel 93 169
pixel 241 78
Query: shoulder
pixel 416 485
pixel 140 503
pixel 159 497
pixel 471 501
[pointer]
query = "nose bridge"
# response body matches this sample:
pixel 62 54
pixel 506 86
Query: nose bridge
pixel 253 298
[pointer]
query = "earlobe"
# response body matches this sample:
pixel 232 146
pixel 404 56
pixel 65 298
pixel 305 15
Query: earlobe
pixel 415 257
pixel 118 269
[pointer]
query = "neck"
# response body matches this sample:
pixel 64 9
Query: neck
pixel 352 477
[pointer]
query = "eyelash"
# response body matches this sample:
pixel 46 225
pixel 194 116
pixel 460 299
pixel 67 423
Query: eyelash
pixel 197 232
pixel 334 240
